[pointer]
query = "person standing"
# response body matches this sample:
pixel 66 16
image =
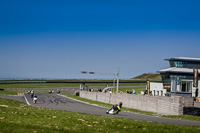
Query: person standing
pixel 133 92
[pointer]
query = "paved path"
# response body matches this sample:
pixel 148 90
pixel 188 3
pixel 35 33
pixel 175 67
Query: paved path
pixel 54 101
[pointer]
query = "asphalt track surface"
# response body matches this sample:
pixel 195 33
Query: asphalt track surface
pixel 59 102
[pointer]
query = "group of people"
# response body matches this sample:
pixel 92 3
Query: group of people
pixel 130 92
pixel 58 91
pixel 90 90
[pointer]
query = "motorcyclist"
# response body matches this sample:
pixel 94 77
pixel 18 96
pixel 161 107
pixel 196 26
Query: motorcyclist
pixel 50 91
pixel 58 91
pixel 34 98
pixel 116 108
pixel 32 94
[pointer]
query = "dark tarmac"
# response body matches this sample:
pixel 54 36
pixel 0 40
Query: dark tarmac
pixel 54 101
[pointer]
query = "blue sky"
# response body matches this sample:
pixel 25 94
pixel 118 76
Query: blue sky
pixel 60 38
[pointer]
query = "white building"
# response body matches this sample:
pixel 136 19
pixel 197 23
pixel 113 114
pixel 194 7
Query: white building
pixel 178 79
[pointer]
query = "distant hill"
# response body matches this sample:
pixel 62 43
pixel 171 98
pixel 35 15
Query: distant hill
pixel 149 76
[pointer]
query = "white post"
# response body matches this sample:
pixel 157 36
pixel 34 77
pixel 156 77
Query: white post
pixel 118 80
pixel 114 81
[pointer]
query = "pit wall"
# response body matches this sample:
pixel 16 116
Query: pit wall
pixel 158 104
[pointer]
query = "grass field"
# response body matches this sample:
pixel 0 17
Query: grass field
pixel 39 85
pixel 50 85
pixel 25 87
pixel 17 117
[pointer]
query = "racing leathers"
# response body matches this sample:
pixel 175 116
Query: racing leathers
pixel 116 109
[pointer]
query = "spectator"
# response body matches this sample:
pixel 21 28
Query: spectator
pixel 146 92
pixel 100 90
pixel 133 92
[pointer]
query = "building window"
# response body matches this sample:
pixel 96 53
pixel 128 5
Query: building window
pixel 178 64
pixel 189 86
pixel 184 87
pixel 181 86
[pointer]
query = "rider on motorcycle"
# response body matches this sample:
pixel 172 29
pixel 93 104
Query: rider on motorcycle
pixel 116 108
pixel 34 98
pixel 32 93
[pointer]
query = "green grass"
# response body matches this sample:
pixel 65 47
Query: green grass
pixel 50 85
pixel 17 117
pixel 39 85
pixel 6 92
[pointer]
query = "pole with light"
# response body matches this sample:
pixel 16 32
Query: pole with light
pixel 88 72
pixel 118 80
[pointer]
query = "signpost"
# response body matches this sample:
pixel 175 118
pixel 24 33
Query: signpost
pixel 195 80
pixel 148 87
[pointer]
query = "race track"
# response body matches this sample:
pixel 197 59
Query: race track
pixel 54 101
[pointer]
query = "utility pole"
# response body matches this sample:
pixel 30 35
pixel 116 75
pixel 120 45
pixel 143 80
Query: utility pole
pixel 118 80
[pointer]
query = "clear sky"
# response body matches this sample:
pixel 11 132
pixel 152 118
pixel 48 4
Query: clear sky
pixel 60 38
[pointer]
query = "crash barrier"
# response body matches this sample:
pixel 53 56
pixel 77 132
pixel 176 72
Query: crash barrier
pixel 159 104
pixel 191 111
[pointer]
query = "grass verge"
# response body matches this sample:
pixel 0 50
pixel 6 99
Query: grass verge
pixel 6 92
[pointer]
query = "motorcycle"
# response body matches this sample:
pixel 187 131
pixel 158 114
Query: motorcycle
pixel 34 100
pixel 115 109
pixel 112 111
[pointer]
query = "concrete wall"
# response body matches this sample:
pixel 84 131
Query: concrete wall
pixel 197 104
pixel 158 104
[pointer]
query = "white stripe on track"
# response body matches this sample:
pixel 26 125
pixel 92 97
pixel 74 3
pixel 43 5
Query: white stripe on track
pixel 26 99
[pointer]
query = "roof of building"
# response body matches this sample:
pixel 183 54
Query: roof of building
pixel 177 70
pixel 184 59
